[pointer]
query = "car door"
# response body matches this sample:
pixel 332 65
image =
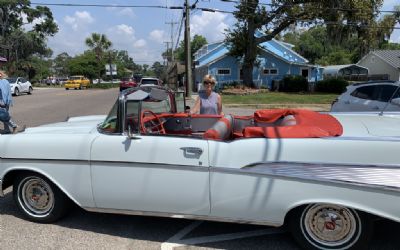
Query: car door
pixel 152 173
pixel 22 84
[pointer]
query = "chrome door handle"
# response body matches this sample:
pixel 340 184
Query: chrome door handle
pixel 192 152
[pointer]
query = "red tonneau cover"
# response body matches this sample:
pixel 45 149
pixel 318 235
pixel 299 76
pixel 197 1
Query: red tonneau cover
pixel 309 124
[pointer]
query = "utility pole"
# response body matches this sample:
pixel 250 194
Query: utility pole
pixel 167 44
pixel 172 39
pixel 188 65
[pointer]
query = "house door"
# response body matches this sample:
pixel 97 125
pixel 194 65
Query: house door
pixel 304 73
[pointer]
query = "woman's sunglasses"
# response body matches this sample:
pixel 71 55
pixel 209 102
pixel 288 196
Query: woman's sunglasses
pixel 208 83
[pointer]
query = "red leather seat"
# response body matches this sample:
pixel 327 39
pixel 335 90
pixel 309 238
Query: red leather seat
pixel 221 130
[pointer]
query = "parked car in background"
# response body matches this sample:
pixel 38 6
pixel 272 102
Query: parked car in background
pixel 150 80
pixel 61 80
pixel 77 82
pixel 20 85
pixel 127 82
pixel 369 96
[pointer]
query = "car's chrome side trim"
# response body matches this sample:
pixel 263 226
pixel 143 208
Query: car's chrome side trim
pixel 371 176
pixel 152 165
pixel 180 216
pixel 112 163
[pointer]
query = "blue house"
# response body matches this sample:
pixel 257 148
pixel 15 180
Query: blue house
pixel 276 60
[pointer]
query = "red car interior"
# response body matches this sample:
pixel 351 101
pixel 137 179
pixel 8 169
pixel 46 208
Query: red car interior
pixel 276 123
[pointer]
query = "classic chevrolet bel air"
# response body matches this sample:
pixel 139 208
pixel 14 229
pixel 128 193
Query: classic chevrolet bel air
pixel 326 176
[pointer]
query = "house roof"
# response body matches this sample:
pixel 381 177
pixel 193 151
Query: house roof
pixel 334 69
pixel 390 56
pixel 275 47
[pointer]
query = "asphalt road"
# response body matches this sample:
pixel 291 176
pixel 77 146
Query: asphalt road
pixel 84 230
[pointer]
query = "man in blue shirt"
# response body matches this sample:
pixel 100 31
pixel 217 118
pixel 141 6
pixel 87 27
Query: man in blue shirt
pixel 5 102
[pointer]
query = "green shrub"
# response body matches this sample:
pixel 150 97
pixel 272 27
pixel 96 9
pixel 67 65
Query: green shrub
pixel 331 85
pixel 294 84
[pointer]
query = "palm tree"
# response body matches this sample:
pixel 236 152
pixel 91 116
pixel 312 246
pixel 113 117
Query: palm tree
pixel 98 43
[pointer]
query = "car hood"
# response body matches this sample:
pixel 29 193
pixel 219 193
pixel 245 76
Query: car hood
pixel 74 125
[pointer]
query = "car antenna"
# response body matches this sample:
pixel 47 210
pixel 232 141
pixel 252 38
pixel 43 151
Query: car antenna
pixel 393 95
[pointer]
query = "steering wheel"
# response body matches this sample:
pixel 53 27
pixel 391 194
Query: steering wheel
pixel 156 124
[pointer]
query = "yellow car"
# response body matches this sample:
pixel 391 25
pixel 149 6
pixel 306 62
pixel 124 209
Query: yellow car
pixel 77 82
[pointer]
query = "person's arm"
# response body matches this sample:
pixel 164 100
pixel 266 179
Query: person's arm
pixel 219 104
pixel 196 107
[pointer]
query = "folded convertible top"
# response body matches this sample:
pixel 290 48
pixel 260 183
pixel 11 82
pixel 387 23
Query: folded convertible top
pixel 308 124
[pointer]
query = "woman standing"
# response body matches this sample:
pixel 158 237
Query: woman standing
pixel 5 102
pixel 208 102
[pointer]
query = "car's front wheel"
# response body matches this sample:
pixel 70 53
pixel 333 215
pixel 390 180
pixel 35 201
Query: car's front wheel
pixel 30 90
pixel 16 92
pixel 328 226
pixel 39 199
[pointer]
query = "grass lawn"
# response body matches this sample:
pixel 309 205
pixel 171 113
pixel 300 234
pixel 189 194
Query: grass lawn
pixel 280 98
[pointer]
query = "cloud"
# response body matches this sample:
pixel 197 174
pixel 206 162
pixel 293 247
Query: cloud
pixel 211 25
pixel 79 19
pixel 139 43
pixel 125 29
pixel 157 36
pixel 128 12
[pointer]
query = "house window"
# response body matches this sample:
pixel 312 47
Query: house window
pixel 270 71
pixel 224 72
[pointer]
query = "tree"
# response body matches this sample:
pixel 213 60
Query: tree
pixel 85 64
pixel 60 64
pixel 243 41
pixel 158 69
pixel 20 42
pixel 99 44
pixel 196 43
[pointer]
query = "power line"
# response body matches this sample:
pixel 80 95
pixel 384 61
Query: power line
pixel 209 10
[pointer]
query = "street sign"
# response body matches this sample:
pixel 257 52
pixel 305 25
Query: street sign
pixel 113 69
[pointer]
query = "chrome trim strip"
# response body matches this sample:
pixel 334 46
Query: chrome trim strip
pixel 376 177
pixel 1 189
pixel 180 216
pixel 119 163
pixel 364 138
pixel 153 165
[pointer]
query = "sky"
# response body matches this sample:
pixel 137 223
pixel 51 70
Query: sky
pixel 143 32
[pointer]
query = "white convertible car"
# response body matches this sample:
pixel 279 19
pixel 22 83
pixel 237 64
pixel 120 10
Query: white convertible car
pixel 326 176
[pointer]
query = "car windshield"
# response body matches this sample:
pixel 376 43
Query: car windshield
pixel 12 79
pixel 74 78
pixel 109 125
pixel 149 81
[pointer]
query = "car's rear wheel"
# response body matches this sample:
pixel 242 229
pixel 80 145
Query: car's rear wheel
pixel 16 92
pixel 66 88
pixel 328 226
pixel 39 199
pixel 30 90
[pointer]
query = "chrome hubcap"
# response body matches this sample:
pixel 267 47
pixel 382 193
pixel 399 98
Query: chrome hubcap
pixel 37 196
pixel 329 224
